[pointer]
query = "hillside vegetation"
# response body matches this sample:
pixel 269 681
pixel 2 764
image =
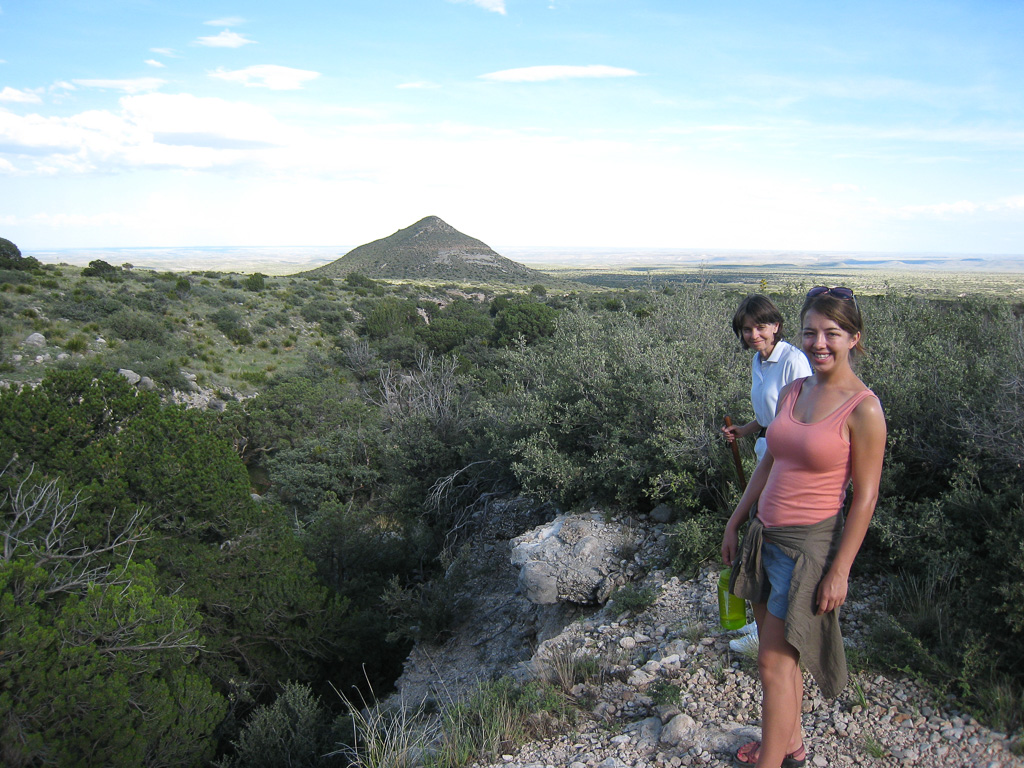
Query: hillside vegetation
pixel 182 619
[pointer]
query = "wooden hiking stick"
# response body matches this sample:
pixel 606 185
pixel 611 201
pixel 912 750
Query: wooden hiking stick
pixel 736 458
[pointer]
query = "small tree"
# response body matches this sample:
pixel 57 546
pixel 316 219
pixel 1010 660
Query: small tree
pixel 100 268
pixel 529 319
pixel 255 282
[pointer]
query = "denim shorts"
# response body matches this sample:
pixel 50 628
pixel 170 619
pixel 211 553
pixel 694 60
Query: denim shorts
pixel 779 568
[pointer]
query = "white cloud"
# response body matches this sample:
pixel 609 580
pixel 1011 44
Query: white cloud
pixel 418 85
pixel 186 120
pixel 226 39
pixel 168 52
pixel 230 21
pixel 20 97
pixel 136 85
pixel 498 6
pixel 270 76
pixel 151 130
pixel 155 63
pixel 556 72
pixel 962 208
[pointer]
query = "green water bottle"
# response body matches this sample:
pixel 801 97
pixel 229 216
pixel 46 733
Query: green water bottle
pixel 732 610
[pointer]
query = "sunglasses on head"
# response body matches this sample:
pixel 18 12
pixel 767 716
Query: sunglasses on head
pixel 838 292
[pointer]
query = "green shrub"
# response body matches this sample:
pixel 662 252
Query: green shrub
pixel 86 304
pixel 229 322
pixel 496 718
pixel 426 611
pixel 296 730
pixel 255 282
pixel 266 619
pixel 331 316
pixel 391 316
pixel 635 598
pixel 11 258
pixel 77 344
pixel 694 541
pixel 529 320
pixel 100 268
pixel 620 409
pixel 97 657
pixel 358 280
pixel 134 325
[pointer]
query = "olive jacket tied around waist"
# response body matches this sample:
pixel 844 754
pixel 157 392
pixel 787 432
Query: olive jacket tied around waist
pixel 816 637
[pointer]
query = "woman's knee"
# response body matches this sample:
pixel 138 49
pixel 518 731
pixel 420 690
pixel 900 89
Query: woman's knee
pixel 776 667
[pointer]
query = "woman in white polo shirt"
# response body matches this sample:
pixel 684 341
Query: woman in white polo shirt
pixel 758 325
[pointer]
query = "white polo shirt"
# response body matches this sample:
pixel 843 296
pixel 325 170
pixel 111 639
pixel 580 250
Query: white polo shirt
pixel 785 364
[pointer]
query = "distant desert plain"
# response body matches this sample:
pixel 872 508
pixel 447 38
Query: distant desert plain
pixel 621 267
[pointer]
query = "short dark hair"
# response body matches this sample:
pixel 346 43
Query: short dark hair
pixel 843 312
pixel 760 311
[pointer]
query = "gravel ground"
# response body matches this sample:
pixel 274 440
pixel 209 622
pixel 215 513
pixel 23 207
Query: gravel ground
pixel 674 694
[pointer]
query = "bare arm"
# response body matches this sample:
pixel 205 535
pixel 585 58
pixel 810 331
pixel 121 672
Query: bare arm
pixel 730 539
pixel 867 449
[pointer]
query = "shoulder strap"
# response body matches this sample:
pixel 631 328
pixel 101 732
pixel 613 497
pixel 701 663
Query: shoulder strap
pixel 843 411
pixel 794 393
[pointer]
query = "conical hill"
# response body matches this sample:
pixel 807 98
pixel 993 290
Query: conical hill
pixel 430 249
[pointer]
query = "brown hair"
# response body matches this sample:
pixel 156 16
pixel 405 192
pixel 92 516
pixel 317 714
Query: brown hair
pixel 760 311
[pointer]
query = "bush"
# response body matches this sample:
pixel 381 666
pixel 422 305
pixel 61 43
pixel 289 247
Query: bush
pixel 100 268
pixel 229 322
pixel 357 280
pixel 624 410
pixel 694 541
pixel 391 316
pixel 255 282
pixel 265 617
pixel 635 598
pixel 77 344
pixel 133 325
pixel 11 258
pixel 85 304
pixel 529 320
pixel 296 731
pixel 331 316
pixel 97 656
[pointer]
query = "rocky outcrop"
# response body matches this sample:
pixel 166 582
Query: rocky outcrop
pixel 576 559
pixel 502 626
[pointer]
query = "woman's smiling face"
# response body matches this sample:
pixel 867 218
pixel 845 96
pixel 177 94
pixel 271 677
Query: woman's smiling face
pixel 759 336
pixel 825 343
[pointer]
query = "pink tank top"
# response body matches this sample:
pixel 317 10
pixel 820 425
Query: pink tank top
pixel 812 469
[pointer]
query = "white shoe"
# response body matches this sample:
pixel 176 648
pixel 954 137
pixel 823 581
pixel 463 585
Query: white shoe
pixel 748 629
pixel 745 644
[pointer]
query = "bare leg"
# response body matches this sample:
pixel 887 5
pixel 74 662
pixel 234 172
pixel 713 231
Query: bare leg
pixel 778 663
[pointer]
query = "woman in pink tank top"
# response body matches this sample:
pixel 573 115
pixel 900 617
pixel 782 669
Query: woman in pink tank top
pixel 795 561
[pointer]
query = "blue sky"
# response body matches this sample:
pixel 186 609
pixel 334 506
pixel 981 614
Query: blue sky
pixel 860 126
